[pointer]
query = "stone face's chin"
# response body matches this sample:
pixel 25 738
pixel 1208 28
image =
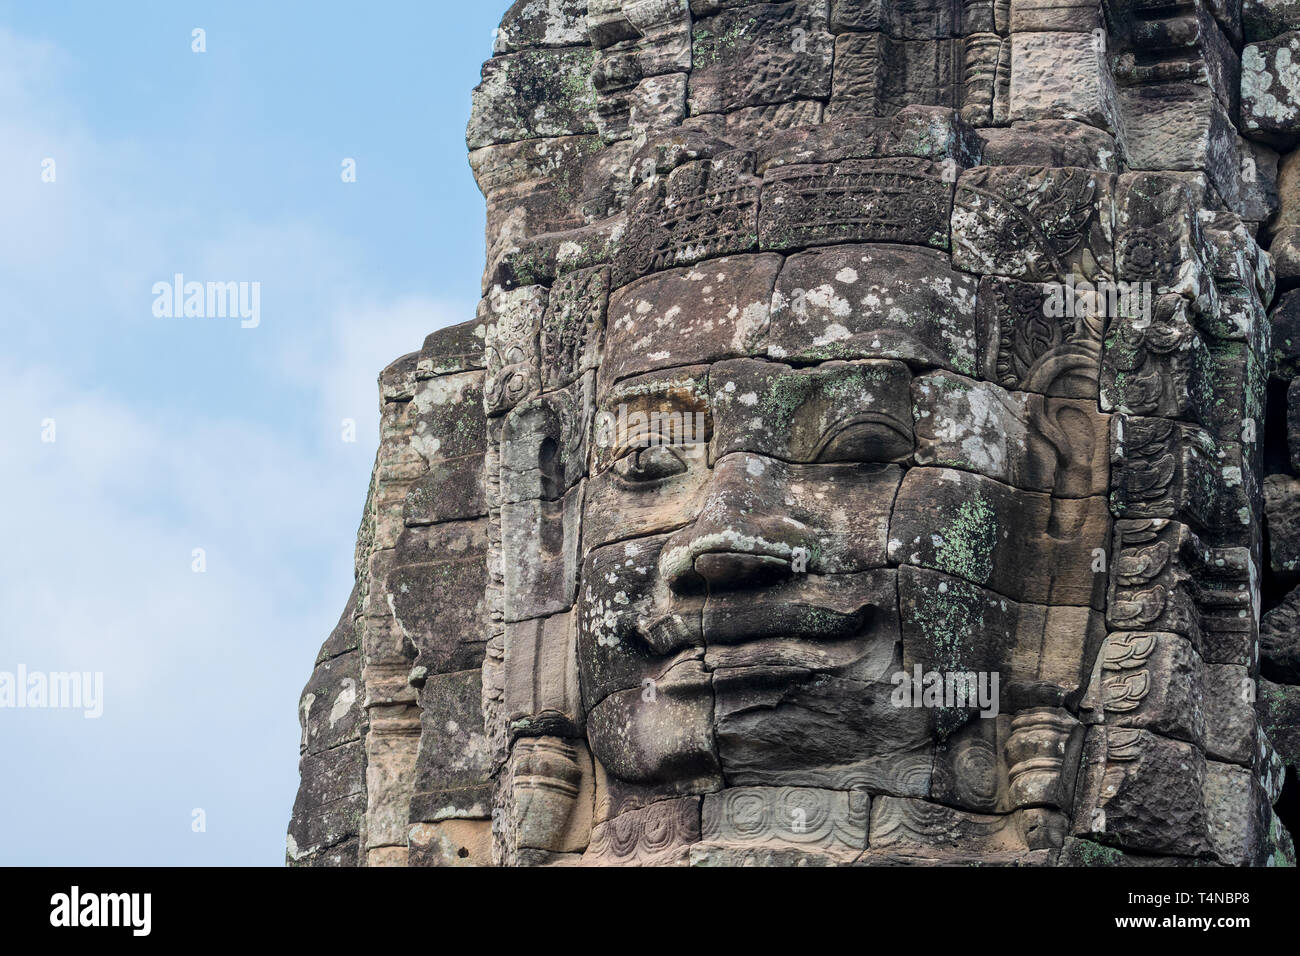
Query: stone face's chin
pixel 780 726
pixel 659 733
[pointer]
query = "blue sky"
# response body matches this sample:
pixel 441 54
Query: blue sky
pixel 181 433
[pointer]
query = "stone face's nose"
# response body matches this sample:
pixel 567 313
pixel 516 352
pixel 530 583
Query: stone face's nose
pixel 740 540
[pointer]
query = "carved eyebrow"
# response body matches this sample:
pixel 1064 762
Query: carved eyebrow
pixel 636 415
pixel 668 424
pixel 804 410
pixel 664 396
pixel 835 429
pixel 639 387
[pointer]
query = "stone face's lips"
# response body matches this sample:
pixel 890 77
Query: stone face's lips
pixel 748 617
pixel 741 617
pixel 787 652
pixel 824 624
pixel 670 632
pixel 774 678
pixel 808 606
pixel 841 627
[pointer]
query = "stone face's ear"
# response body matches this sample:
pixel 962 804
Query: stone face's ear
pixel 538 458
pixel 548 799
pixel 573 327
pixel 545 444
pixel 513 323
pixel 1033 338
pixel 1057 446
pixel 1068 442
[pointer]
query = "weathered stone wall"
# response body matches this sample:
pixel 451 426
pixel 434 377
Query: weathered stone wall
pixel 967 157
pixel 1271 113
pixel 331 804
pixel 406 656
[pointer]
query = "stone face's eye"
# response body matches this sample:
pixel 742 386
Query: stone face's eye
pixel 643 466
pixel 870 440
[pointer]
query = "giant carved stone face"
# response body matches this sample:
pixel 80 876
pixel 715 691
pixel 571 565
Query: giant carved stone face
pixel 819 375
pixel 757 552
pixel 802 487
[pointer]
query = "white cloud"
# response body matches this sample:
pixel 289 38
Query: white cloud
pixel 363 340
pixel 236 451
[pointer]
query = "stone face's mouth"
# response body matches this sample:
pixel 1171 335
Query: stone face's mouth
pixel 737 618
pixel 823 623
pixel 863 654
pixel 818 607
pixel 851 634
